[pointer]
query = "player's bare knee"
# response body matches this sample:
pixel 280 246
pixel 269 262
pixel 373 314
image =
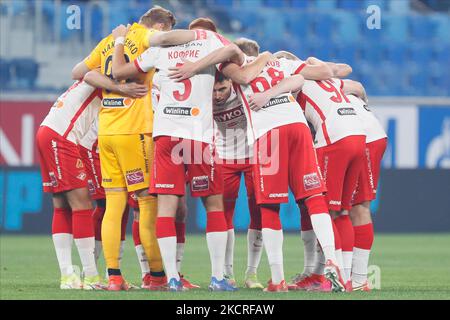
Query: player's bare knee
pixel 60 201
pixel 79 199
pixel 213 203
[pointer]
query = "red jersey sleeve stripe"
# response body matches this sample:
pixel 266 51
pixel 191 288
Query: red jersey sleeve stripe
pixel 80 111
pixel 322 117
pixel 222 39
pixel 299 69
pixel 136 63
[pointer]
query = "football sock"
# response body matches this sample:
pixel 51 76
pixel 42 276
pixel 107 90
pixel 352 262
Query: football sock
pixel 167 240
pixel 216 238
pixel 322 225
pixel 111 228
pixel 181 240
pixel 273 240
pixel 97 217
pixel 140 253
pixel 309 241
pixel 345 229
pixel 254 250
pixel 147 230
pixel 338 252
pixel 63 239
pixel 83 234
pixel 363 244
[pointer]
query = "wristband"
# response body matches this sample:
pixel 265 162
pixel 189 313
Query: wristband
pixel 119 40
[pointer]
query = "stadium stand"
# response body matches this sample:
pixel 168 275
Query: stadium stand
pixel 410 45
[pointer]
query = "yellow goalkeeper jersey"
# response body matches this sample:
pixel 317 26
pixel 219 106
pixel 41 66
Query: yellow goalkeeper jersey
pixel 119 114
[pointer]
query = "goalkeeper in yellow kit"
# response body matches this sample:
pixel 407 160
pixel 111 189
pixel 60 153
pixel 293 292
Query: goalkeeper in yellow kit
pixel 126 145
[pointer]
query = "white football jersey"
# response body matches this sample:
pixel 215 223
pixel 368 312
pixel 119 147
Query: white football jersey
pixel 91 137
pixel 156 92
pixel 231 129
pixel 329 111
pixel 73 112
pixel 281 110
pixel 374 129
pixel 184 108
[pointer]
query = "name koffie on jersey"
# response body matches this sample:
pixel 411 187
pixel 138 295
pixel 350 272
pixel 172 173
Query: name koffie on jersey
pixel 279 100
pixel 189 51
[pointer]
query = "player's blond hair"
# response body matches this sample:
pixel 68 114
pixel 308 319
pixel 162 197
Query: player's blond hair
pixel 249 47
pixel 156 15
pixel 203 23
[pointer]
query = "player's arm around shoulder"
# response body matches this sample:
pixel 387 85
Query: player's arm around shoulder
pixel 316 69
pixel 170 38
pixel 122 70
pixel 356 88
pixel 244 74
pixel 132 89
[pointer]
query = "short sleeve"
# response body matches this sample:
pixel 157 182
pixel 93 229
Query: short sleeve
pixel 94 60
pixel 216 42
pixel 147 60
pixel 293 66
pixel 148 34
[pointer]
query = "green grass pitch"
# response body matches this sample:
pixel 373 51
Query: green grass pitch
pixel 412 267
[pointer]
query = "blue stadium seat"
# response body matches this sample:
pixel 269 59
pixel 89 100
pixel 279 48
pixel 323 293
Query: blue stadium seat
pixel 350 4
pixel 348 27
pixel 323 26
pixel 442 24
pixel 223 3
pixel 400 6
pixel 301 4
pixel 326 4
pixel 441 54
pixel 250 4
pixel 298 24
pixel 275 3
pixel 421 54
pixel 395 28
pixel 380 3
pixel 5 73
pixel 346 53
pixel 422 28
pixel 419 83
pixel 321 50
pixel 26 72
pixel 396 53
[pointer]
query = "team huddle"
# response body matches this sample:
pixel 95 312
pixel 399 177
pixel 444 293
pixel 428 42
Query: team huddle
pixel 156 111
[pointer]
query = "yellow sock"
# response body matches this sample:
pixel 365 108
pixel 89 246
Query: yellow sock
pixel 148 211
pixel 111 227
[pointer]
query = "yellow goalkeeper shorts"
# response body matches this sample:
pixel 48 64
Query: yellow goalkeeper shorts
pixel 126 161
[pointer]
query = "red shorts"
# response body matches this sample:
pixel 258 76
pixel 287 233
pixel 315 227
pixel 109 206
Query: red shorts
pixel 232 179
pixel 174 157
pixel 341 163
pixel 286 159
pixel 61 166
pixel 133 201
pixel 91 161
pixel 368 178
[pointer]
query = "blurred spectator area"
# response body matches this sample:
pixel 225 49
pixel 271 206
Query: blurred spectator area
pixel 409 55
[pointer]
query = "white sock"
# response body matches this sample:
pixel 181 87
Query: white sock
pixel 86 247
pixel 122 245
pixel 360 264
pixel 63 248
pixel 323 229
pixel 347 257
pixel 168 248
pixel 142 258
pixel 254 250
pixel 97 250
pixel 180 254
pixel 229 253
pixel 320 260
pixel 273 242
pixel 340 264
pixel 309 253
pixel 217 243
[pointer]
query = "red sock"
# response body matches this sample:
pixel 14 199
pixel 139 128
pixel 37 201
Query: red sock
pixel 345 227
pixel 364 236
pixel 83 226
pixel 216 222
pixel 337 238
pixel 255 215
pixel 135 233
pixel 62 221
pixel 123 230
pixel 229 205
pixel 97 217
pixel 305 219
pixel 270 217
pixel 180 228
pixel 165 227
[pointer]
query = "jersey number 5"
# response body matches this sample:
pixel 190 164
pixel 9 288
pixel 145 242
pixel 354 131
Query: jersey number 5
pixel 187 89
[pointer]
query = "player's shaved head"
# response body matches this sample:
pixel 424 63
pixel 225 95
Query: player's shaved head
pixel 249 47
pixel 204 24
pixel 158 15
